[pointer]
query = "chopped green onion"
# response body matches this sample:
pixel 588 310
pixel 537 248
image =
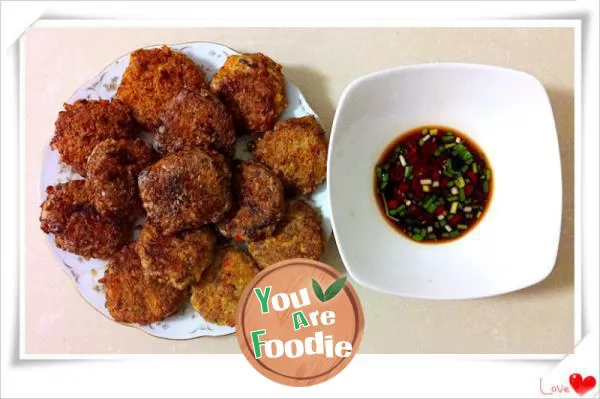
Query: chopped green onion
pixel 454 207
pixel 462 226
pixel 440 217
pixel 449 145
pixel 453 234
pixel 439 151
pixel 468 208
pixel 469 216
pixel 426 189
pixel 424 139
pixel 461 195
pixel 453 198
pixel 407 171
pixel 460 182
pixel 448 138
pixel 378 172
pixel 435 184
pixel 486 186
pixel 474 167
pixel 445 235
pixel 451 183
pixel 488 174
pixel 433 132
pixel 417 237
pixel 424 131
pixel 478 214
pixel 454 191
pixel 429 229
pixel 431 237
pixel 431 208
pixel 425 181
pixel 443 223
pixel 402 160
pixel 448 228
pixel 464 169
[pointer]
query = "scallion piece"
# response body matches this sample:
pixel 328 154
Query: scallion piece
pixel 445 235
pixel 478 214
pixel 460 182
pixel 486 186
pixel 448 228
pixel 449 145
pixel 448 138
pixel 453 198
pixel 454 191
pixel 461 194
pixel 453 234
pixel 407 171
pixel 426 181
pixel 417 237
pixel 469 216
pixel 433 132
pixel 443 223
pixel 402 160
pixel 464 169
pixel 468 208
pixel 439 151
pixel 454 207
pixel 424 131
pixel 462 226
pixel 474 167
pixel 488 174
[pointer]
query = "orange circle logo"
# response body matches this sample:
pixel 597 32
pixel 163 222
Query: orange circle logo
pixel 299 322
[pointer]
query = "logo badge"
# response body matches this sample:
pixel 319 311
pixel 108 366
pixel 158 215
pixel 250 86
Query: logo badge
pixel 299 322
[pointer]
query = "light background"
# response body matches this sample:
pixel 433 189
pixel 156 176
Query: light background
pixel 367 375
pixel 322 62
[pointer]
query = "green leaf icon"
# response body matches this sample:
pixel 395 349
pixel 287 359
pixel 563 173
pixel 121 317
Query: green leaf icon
pixel 318 290
pixel 334 289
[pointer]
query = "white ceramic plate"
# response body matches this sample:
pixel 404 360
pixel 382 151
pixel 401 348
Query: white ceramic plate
pixel 508 114
pixel 187 323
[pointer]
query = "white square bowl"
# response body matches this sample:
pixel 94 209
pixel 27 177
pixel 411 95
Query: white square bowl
pixel 508 114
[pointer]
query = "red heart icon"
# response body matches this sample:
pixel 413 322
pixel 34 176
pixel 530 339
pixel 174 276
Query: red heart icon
pixel 582 385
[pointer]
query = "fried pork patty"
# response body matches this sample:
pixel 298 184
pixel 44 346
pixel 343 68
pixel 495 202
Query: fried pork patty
pixel 186 190
pixel 217 295
pixel 154 77
pixel 260 200
pixel 134 297
pixel 85 124
pixel 252 87
pixel 177 259
pixel 299 235
pixel 296 151
pixel 113 168
pixel 77 225
pixel 195 118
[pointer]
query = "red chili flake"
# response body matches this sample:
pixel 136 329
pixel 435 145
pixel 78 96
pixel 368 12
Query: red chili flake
pixel 397 173
pixel 393 203
pixel 469 190
pixel 410 157
pixel 403 187
pixel 436 174
pixel 439 210
pixel 456 219
pixel 429 148
pixel 444 182
pixel 472 176
pixel 238 238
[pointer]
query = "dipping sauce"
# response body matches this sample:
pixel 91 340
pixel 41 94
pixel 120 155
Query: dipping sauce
pixel 433 184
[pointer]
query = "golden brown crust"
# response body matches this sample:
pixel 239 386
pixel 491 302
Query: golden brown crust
pixel 217 295
pixel 260 200
pixel 252 87
pixel 113 168
pixel 297 151
pixel 186 190
pixel 153 77
pixel 78 227
pixel 85 124
pixel 195 118
pixel 132 296
pixel 177 259
pixel 299 235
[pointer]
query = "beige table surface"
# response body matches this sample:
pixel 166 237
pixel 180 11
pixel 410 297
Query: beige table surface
pixel 321 62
